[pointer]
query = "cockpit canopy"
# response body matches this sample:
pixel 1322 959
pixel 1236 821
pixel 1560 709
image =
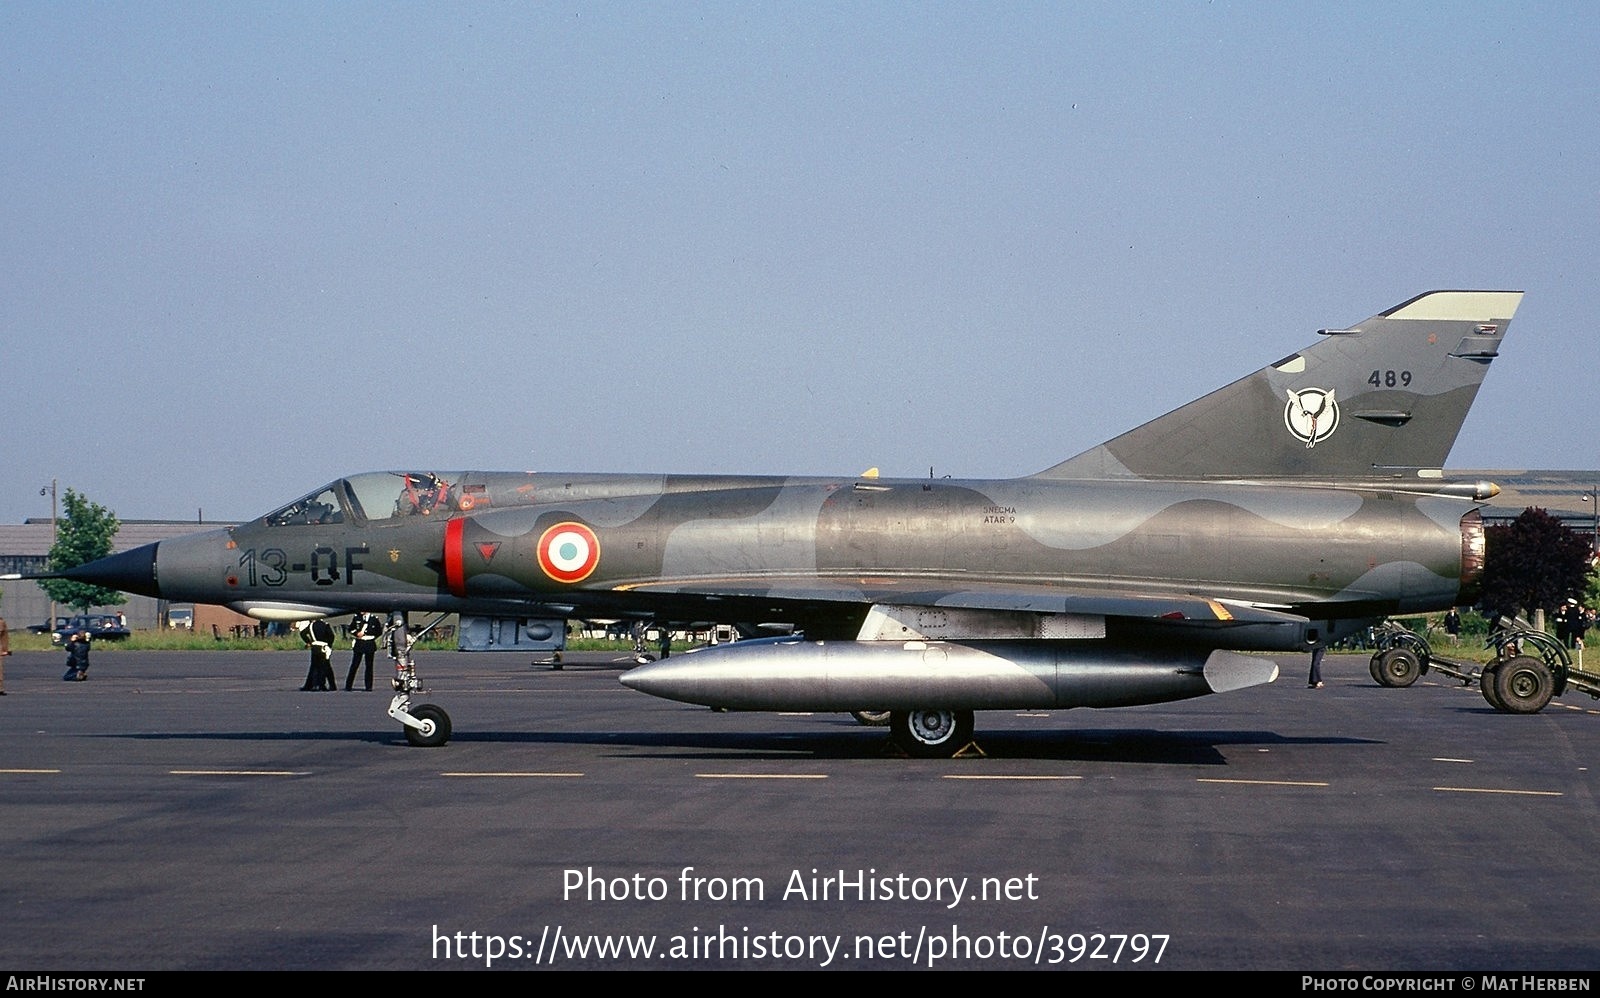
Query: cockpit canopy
pixel 377 495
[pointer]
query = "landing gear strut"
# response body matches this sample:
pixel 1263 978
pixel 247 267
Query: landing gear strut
pixel 640 655
pixel 426 725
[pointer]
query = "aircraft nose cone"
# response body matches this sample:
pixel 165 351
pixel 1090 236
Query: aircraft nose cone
pixel 132 571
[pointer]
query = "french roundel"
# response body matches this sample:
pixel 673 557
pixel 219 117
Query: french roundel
pixel 569 552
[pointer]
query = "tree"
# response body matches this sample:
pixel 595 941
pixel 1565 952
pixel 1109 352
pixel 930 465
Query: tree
pixel 1533 563
pixel 82 535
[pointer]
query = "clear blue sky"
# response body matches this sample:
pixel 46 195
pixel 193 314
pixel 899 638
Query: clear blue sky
pixel 248 248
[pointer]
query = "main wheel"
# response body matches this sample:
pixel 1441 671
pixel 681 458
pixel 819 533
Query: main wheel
pixel 1376 668
pixel 1524 684
pixel 931 734
pixel 871 718
pixel 1399 667
pixel 1486 685
pixel 435 730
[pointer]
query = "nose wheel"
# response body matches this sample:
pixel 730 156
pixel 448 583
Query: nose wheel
pixel 426 725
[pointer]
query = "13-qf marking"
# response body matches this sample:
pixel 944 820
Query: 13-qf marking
pixel 271 568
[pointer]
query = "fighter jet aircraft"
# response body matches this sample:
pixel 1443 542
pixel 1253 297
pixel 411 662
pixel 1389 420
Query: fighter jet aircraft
pixel 1288 509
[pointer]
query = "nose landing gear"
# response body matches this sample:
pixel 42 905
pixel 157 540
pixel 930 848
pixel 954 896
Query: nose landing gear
pixel 426 725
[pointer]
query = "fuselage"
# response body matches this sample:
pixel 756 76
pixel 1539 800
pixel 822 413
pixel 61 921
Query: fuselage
pixel 493 542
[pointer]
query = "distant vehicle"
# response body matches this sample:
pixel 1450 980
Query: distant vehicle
pixel 181 618
pixel 99 626
pixel 47 626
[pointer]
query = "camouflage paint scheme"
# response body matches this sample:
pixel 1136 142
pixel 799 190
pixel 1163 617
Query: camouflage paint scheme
pixel 1296 505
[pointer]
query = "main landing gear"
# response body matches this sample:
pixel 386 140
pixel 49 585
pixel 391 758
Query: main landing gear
pixel 426 725
pixel 931 734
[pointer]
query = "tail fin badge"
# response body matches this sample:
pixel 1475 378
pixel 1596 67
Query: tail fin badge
pixel 1311 415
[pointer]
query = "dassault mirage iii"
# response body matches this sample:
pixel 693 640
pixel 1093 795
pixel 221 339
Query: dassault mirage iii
pixel 1295 506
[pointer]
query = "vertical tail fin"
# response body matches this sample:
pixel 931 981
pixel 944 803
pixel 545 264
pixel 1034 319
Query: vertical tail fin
pixel 1379 399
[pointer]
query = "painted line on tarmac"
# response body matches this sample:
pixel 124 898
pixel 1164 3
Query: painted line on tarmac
pixel 515 775
pixel 1491 790
pixel 237 772
pixel 1446 759
pixel 957 776
pixel 30 772
pixel 761 776
pixel 1265 783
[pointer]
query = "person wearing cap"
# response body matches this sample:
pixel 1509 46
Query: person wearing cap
pixel 365 629
pixel 77 658
pixel 318 636
pixel 1578 621
pixel 1567 616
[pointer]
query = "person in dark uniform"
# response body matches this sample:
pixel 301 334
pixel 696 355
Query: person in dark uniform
pixel 1563 622
pixel 318 636
pixel 1577 623
pixel 365 629
pixel 77 658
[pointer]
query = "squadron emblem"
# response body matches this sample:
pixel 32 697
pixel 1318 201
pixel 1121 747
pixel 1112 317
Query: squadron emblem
pixel 568 552
pixel 1311 415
